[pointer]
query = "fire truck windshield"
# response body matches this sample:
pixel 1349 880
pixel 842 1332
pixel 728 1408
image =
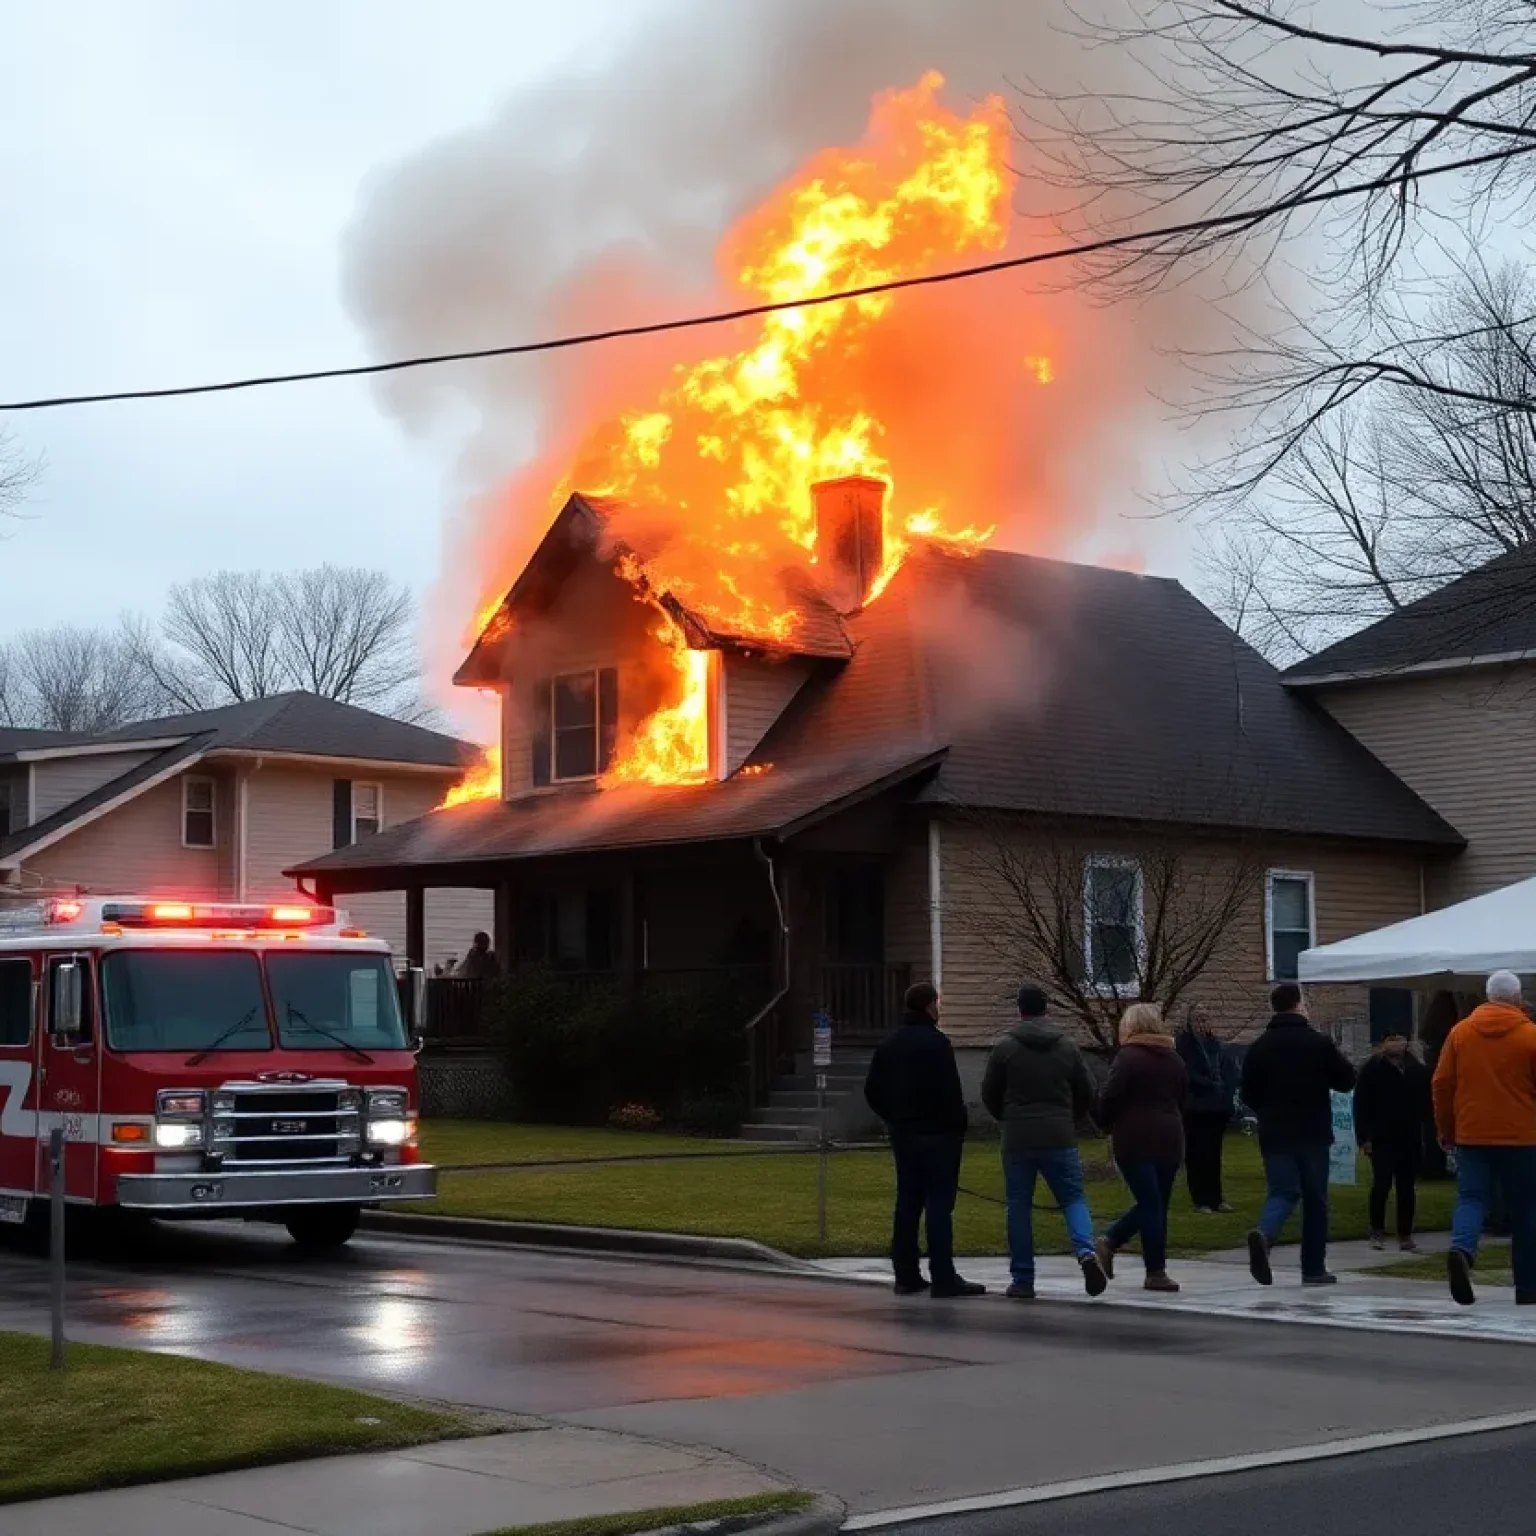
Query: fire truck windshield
pixel 184 1000
pixel 345 999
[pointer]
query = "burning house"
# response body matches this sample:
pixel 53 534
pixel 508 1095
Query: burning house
pixel 771 702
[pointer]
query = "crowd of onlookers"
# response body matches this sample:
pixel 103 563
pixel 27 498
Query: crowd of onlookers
pixel 1166 1105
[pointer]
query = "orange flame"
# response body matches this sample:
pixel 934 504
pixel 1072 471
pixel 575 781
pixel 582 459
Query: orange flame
pixel 713 478
pixel 482 782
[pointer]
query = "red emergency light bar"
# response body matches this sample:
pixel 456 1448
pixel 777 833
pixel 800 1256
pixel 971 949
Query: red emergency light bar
pixel 203 914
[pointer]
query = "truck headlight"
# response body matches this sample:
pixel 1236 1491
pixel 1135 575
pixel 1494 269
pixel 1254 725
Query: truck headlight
pixel 175 1106
pixel 388 1103
pixel 178 1136
pixel 399 1132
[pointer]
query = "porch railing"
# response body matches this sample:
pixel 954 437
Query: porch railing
pixel 864 1001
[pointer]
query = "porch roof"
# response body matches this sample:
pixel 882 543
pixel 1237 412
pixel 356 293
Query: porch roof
pixel 770 803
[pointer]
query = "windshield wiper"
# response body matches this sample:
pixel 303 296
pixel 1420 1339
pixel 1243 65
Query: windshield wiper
pixel 330 1034
pixel 234 1029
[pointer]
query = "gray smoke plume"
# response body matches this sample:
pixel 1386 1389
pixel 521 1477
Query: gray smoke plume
pixel 600 196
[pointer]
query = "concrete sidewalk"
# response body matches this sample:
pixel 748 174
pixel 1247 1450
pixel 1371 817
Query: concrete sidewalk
pixel 457 1488
pixel 1219 1286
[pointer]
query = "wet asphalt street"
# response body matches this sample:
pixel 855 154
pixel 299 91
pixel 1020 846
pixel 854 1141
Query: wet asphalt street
pixel 840 1386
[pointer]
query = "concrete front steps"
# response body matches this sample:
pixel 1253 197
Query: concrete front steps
pixel 791 1113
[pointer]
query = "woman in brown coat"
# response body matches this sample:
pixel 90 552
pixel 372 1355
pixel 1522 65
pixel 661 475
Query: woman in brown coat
pixel 1142 1108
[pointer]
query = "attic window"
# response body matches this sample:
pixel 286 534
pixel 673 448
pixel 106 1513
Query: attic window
pixel 576 717
pixel 196 812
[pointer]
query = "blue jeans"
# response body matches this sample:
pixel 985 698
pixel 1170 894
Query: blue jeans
pixel 1151 1187
pixel 1062 1170
pixel 927 1182
pixel 1298 1174
pixel 1478 1169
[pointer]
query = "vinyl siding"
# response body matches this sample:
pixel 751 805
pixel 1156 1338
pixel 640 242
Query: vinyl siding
pixel 136 848
pixel 1465 743
pixel 906 905
pixel 757 692
pixel 1355 890
pixel 60 781
pixel 289 820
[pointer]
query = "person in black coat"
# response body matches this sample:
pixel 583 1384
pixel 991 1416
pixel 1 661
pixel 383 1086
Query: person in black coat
pixel 1392 1107
pixel 1208 1110
pixel 1288 1076
pixel 913 1085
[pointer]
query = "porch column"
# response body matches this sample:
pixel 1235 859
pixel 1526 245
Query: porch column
pixel 415 925
pixel 502 937
pixel 629 956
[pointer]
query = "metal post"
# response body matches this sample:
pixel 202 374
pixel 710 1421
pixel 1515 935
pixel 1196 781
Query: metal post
pixel 56 1243
pixel 821 1158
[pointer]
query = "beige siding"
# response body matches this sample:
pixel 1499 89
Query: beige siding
pixel 60 781
pixel 757 692
pixel 289 820
pixel 985 957
pixel 135 848
pixel 1465 743
pixel 906 906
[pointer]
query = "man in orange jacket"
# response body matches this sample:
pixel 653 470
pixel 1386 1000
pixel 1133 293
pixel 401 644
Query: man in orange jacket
pixel 1485 1107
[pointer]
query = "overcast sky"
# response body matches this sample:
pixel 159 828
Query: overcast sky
pixel 178 179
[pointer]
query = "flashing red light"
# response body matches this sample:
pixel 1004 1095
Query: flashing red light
pixel 65 911
pixel 292 914
pixel 170 912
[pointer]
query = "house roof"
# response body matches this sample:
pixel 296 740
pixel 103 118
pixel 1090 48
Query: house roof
pixel 301 723
pixel 1485 616
pixel 773 803
pixel 1071 690
pixel 814 628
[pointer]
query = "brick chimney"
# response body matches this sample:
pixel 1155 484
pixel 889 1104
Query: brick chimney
pixel 850 538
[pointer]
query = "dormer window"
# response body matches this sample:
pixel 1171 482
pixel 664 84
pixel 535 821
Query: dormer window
pixel 575 725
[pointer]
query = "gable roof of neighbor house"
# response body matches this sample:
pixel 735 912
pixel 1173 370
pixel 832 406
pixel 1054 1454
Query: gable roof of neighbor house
pixel 296 724
pixel 813 626
pixel 1488 615
pixel 997 681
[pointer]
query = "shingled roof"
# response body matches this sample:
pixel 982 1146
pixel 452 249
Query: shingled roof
pixel 1487 615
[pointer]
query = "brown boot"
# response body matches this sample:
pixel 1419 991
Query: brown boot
pixel 1106 1255
pixel 1158 1281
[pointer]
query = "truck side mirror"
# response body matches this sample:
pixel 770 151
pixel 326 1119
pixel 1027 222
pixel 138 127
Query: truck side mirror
pixel 67 1000
pixel 416 1003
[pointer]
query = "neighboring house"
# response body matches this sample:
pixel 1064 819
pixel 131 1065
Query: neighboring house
pixel 1442 691
pixel 217 804
pixel 868 766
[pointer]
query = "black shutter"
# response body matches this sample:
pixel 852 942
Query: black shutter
pixel 540 725
pixel 341 813
pixel 607 717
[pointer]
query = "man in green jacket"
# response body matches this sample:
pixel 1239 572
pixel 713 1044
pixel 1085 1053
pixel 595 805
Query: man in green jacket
pixel 1039 1087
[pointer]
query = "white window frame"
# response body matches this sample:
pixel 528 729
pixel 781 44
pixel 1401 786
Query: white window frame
pixel 1307 878
pixel 212 813
pixel 556 678
pixel 378 805
pixel 1131 989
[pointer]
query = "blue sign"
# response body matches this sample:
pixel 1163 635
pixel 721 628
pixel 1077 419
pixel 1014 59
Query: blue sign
pixel 1341 1158
pixel 822 1023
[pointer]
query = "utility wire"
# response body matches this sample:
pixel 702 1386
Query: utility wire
pixel 1209 225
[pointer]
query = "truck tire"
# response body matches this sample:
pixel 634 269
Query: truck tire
pixel 321 1228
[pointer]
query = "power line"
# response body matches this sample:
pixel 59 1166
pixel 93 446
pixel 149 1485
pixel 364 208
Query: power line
pixel 1209 225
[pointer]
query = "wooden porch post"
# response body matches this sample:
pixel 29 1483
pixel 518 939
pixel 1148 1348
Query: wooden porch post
pixel 629 956
pixel 502 921
pixel 415 925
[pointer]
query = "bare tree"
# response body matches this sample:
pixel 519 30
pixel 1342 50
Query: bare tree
pixel 17 473
pixel 71 679
pixel 1100 933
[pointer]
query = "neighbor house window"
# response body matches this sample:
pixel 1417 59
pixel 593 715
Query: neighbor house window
pixel 367 810
pixel 196 813
pixel 575 725
pixel 1112 923
pixel 1290 921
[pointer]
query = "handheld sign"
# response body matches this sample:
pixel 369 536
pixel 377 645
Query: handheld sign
pixel 1341 1156
pixel 823 1039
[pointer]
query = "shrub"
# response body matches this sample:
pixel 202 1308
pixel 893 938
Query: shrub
pixel 634 1117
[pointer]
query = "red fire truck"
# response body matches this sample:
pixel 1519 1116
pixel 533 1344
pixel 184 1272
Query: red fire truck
pixel 207 1060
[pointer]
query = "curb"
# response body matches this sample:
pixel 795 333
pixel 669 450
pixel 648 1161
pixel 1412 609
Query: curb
pixel 823 1518
pixel 601 1240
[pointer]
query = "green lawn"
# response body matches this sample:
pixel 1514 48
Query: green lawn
pixel 641 1520
pixel 118 1416
pixel 475 1143
pixel 1492 1267
pixel 773 1198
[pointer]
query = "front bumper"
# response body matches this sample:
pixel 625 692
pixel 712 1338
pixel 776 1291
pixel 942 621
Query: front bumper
pixel 263 1188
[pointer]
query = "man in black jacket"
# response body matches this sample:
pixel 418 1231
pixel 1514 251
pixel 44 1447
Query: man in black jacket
pixel 914 1086
pixel 1288 1074
pixel 1392 1107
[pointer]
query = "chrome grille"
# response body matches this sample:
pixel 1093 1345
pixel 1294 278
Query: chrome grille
pixel 260 1124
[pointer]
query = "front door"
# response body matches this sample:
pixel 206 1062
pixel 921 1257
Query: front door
pixel 18 1071
pixel 69 1071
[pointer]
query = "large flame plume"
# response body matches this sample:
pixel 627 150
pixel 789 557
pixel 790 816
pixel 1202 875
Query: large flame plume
pixel 712 477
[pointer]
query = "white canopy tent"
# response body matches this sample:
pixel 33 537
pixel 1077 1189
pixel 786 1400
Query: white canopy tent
pixel 1461 944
